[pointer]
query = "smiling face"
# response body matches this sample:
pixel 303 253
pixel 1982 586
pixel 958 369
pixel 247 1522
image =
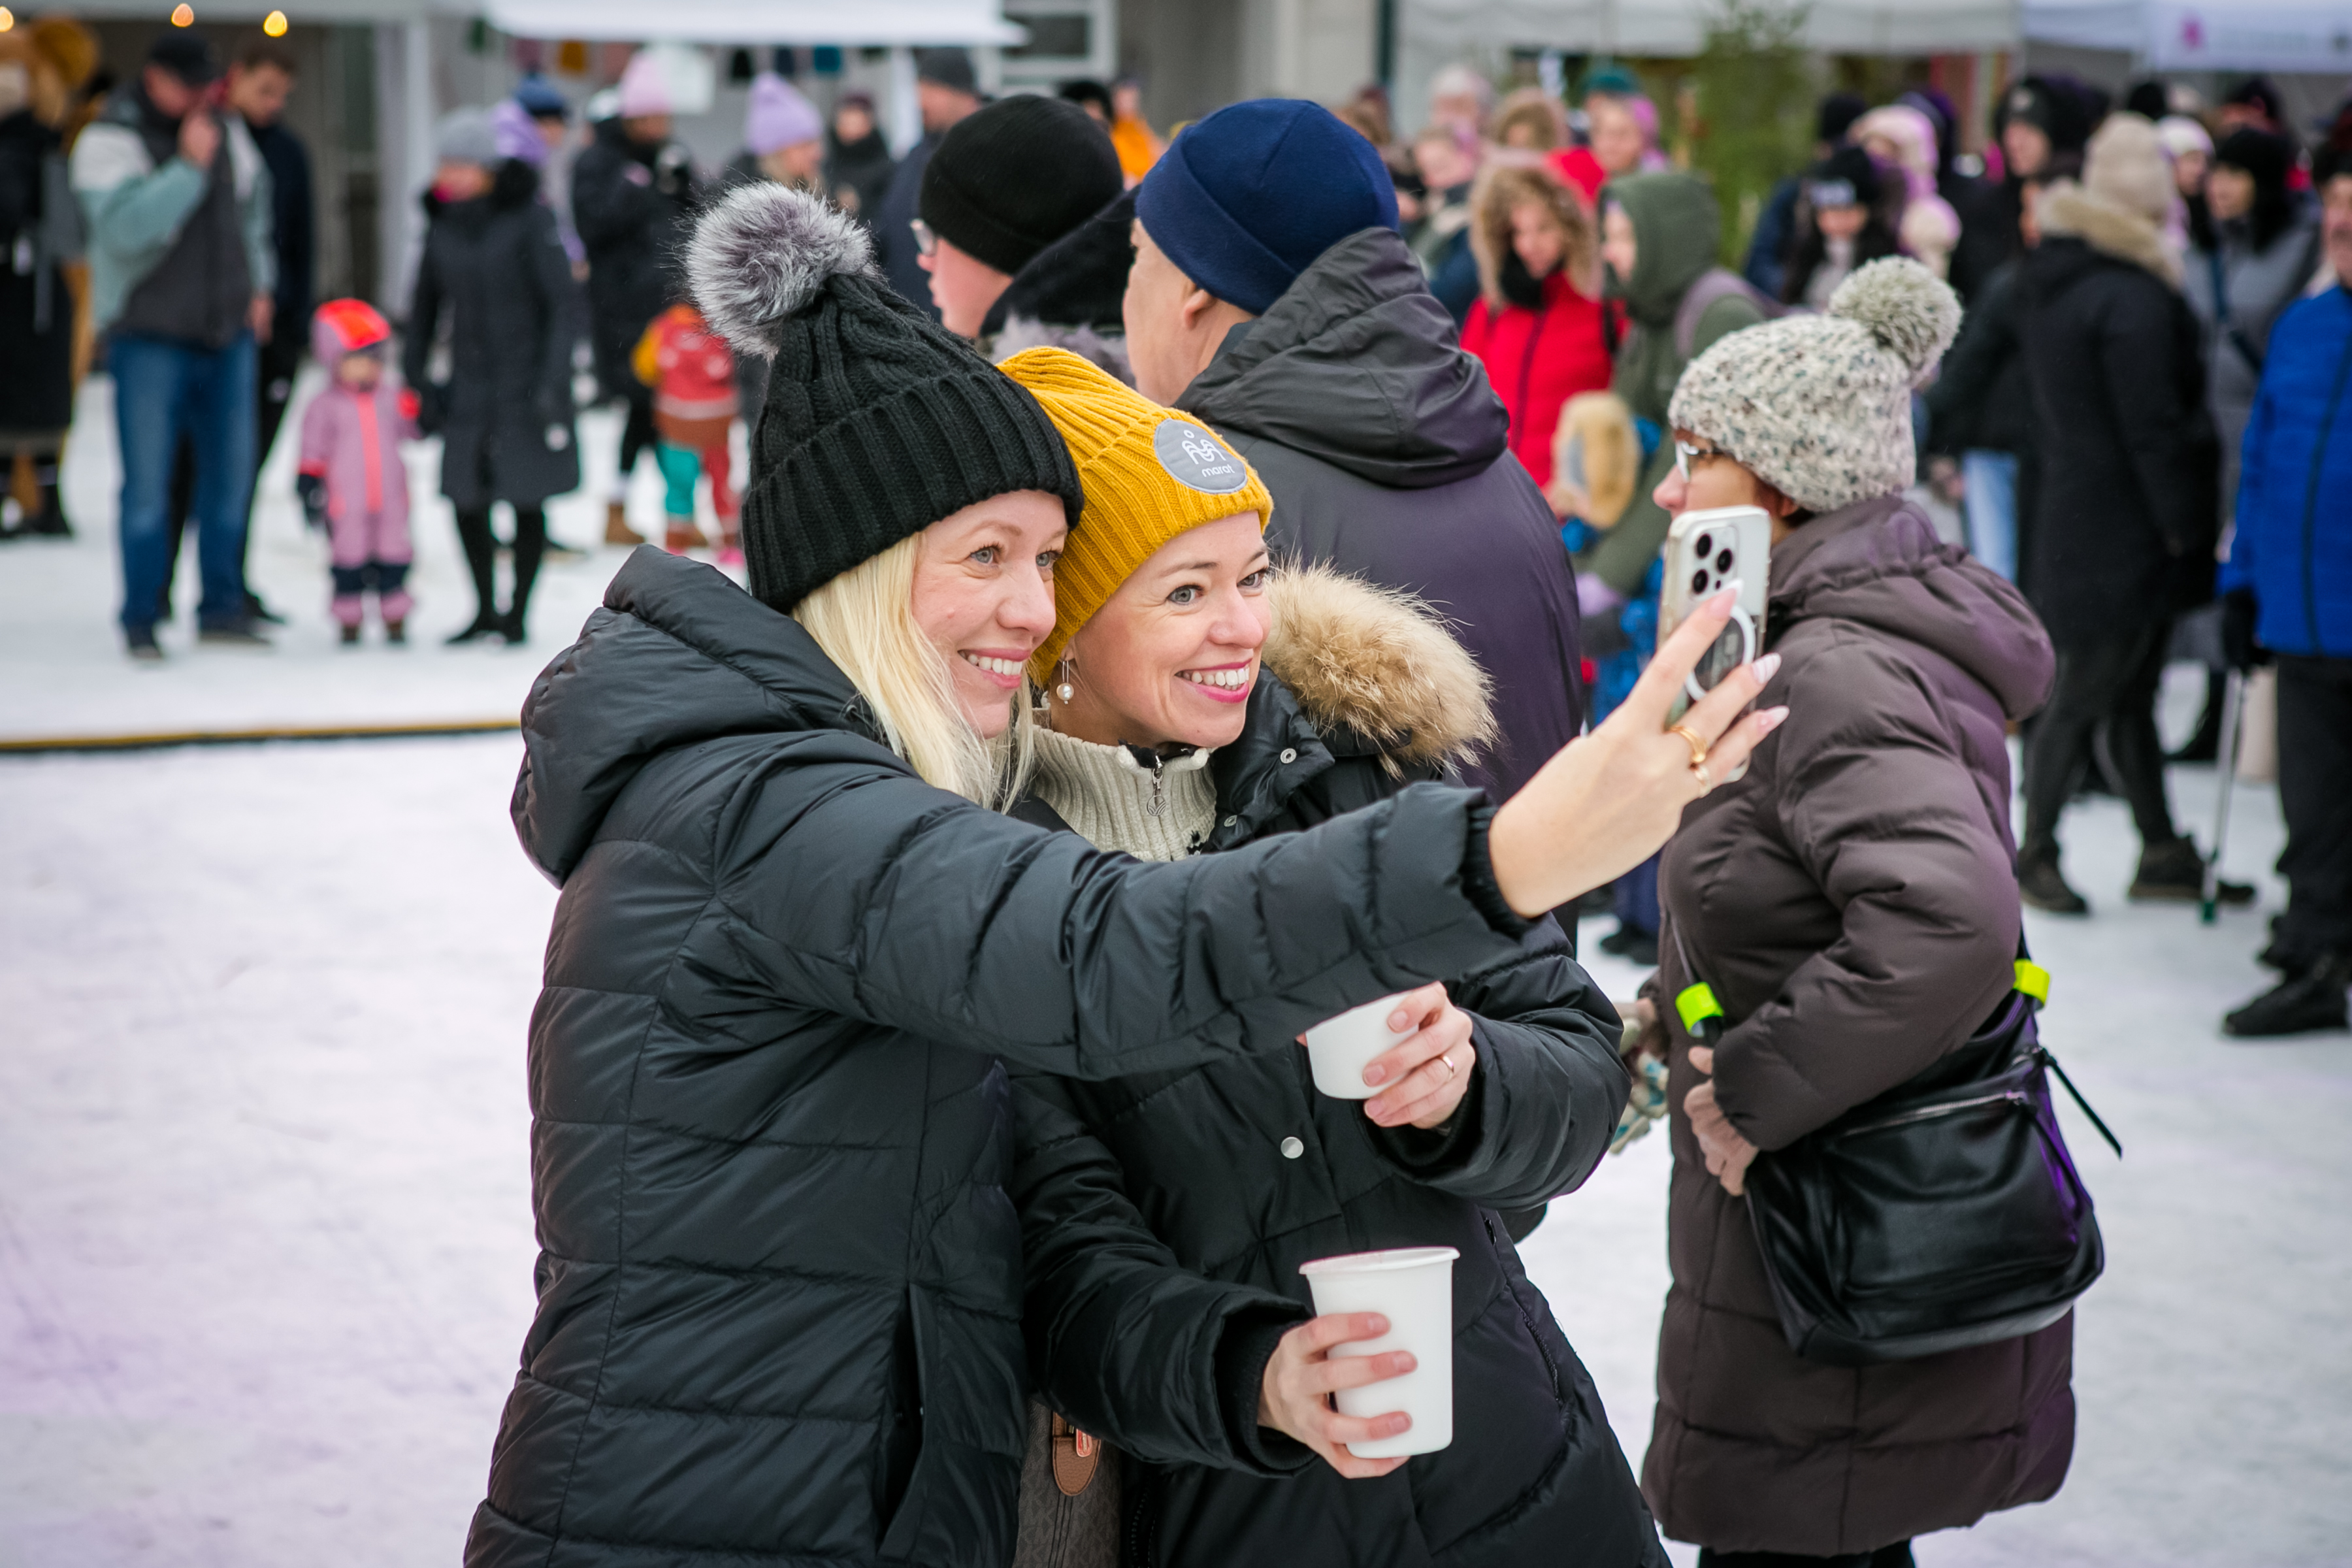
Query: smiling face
pixel 1171 658
pixel 984 595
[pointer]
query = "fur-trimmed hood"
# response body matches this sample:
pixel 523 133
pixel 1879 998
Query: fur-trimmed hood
pixel 2070 211
pixel 1379 662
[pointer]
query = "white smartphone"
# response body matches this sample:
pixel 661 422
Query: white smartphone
pixel 1707 551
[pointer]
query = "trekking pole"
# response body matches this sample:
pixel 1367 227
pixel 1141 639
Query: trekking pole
pixel 2234 701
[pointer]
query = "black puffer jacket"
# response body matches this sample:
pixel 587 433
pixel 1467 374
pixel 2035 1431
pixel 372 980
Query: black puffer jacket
pixel 634 205
pixel 2127 506
pixel 496 265
pixel 1387 454
pixel 1165 1223
pixel 778 1289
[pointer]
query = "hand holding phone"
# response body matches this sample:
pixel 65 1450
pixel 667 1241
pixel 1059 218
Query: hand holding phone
pixel 1706 552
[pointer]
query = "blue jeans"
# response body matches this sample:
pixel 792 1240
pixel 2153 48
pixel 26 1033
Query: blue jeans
pixel 165 388
pixel 1990 480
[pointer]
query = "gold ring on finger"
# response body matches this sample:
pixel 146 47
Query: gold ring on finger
pixel 1448 1057
pixel 1706 780
pixel 1697 746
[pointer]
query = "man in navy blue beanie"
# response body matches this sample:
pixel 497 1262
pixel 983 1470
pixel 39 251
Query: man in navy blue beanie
pixel 1272 298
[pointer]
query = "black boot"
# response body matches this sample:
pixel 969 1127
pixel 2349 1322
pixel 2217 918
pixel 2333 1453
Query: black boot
pixel 2041 886
pixel 2174 873
pixel 484 625
pixel 2298 1005
pixel 482 560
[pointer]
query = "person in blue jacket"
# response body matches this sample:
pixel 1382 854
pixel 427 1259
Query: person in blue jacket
pixel 2288 597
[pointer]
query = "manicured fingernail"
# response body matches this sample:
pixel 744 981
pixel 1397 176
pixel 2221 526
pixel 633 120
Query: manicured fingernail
pixel 1721 604
pixel 1770 719
pixel 1766 668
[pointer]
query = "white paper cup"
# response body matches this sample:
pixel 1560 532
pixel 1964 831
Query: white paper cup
pixel 1340 1049
pixel 1412 1287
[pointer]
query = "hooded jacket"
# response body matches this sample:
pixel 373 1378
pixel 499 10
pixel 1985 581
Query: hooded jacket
pixel 1072 295
pixel 2126 508
pixel 1538 356
pixel 350 439
pixel 780 1279
pixel 1853 903
pixel 1677 228
pixel 1165 1215
pixel 1385 449
pixel 496 265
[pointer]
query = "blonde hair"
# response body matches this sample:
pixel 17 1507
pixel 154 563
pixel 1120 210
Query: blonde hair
pixel 863 620
pixel 1509 182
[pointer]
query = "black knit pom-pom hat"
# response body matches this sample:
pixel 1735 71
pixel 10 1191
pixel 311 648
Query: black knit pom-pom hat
pixel 879 422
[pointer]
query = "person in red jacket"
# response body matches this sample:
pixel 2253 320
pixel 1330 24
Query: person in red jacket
pixel 1538 324
pixel 692 374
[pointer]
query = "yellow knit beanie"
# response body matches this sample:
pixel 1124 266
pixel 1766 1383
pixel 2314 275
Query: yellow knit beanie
pixel 1150 474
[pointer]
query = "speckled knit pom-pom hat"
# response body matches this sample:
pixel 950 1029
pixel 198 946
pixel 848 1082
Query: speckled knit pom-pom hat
pixel 1818 407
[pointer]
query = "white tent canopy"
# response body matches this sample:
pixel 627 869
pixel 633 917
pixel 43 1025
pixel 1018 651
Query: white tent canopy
pixel 1455 29
pixel 869 21
pixel 2214 35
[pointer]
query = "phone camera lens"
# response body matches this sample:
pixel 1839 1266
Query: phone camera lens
pixel 1698 581
pixel 1723 562
pixel 1706 546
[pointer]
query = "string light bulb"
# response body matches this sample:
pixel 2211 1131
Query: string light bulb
pixel 7 18
pixel 184 14
pixel 274 24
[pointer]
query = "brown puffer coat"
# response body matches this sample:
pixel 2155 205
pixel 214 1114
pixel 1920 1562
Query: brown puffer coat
pixel 1853 902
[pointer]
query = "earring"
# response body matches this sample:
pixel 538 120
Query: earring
pixel 1065 691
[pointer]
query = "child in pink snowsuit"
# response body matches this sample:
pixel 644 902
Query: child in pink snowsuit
pixel 352 479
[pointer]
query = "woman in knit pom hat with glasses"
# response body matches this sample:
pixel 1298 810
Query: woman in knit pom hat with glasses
pixel 779 1285
pixel 1853 903
pixel 1198 703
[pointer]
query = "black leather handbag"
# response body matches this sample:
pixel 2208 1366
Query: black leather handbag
pixel 1943 1214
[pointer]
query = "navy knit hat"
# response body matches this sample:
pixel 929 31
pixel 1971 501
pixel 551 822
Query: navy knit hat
pixel 1244 201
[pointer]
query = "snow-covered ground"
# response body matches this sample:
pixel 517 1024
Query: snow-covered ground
pixel 62 648
pixel 265 1241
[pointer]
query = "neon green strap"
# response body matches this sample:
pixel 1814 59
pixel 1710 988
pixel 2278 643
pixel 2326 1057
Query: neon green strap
pixel 1697 1004
pixel 2034 979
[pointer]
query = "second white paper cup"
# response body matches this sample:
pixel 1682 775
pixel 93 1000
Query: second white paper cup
pixel 1412 1287
pixel 1339 1048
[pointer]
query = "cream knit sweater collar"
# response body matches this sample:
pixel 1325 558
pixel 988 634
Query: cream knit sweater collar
pixel 1106 796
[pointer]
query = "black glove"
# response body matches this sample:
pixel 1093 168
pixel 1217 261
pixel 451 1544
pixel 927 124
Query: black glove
pixel 312 490
pixel 2238 644
pixel 432 406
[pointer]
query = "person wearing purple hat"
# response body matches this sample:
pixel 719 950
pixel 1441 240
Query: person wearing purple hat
pixel 1272 298
pixel 784 138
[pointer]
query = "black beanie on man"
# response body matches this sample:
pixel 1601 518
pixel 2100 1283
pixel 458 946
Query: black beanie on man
pixel 880 421
pixel 1011 179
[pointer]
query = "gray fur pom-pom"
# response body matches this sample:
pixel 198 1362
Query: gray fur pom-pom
pixel 762 254
pixel 1912 314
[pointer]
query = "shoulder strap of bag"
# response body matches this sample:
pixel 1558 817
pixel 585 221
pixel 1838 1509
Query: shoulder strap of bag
pixel 1702 1015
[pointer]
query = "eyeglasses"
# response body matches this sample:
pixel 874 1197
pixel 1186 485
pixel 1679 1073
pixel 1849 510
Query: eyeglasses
pixel 1686 455
pixel 925 240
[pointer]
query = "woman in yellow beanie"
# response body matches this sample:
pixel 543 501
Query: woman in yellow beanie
pixel 1196 701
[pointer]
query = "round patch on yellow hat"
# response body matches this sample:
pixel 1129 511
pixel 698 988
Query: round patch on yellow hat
pixel 1196 459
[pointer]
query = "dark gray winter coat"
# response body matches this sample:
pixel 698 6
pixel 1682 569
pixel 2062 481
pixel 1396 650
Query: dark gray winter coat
pixel 1388 456
pixel 1165 1223
pixel 496 267
pixel 1853 903
pixel 780 1279
pixel 40 231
